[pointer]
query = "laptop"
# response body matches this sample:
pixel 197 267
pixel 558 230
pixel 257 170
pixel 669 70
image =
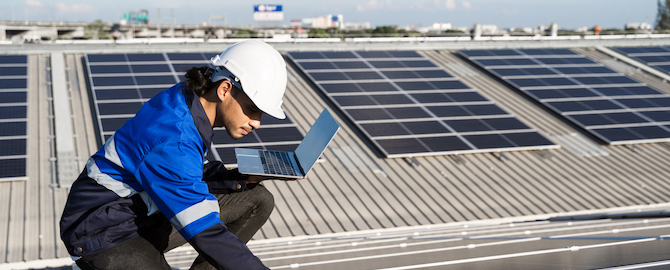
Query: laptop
pixel 290 164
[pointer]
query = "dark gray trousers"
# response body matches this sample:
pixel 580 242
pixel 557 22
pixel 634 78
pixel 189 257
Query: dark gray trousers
pixel 244 213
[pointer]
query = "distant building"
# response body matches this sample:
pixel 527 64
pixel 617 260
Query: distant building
pixel 441 26
pixel 328 21
pixel 638 26
pixel 357 25
pixel 489 29
pixel 581 29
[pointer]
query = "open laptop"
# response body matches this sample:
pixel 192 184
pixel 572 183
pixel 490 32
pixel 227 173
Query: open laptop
pixel 290 164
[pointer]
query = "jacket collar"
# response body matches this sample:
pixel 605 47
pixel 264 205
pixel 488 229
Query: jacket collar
pixel 199 116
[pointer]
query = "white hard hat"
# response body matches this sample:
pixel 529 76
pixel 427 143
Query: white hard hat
pixel 256 68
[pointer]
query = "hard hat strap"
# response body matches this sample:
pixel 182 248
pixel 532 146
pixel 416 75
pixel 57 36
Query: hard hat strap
pixel 209 72
pixel 221 73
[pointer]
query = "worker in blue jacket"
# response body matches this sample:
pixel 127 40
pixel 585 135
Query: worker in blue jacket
pixel 149 188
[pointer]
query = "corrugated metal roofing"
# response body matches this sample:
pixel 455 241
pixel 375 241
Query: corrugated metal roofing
pixel 354 188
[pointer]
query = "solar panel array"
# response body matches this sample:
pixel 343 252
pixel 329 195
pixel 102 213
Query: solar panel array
pixel 13 117
pixel 408 106
pixel 121 83
pixel 610 105
pixel 657 57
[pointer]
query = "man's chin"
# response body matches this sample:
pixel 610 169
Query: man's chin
pixel 235 136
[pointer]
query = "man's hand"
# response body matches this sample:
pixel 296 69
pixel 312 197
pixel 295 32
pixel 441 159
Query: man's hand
pixel 255 179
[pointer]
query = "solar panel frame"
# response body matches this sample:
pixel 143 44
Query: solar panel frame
pixel 388 110
pixel 657 57
pixel 118 93
pixel 599 101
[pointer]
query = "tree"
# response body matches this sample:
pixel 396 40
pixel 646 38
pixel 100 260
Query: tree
pixel 663 16
pixel 318 33
pixel 243 33
pixel 96 30
pixel 388 31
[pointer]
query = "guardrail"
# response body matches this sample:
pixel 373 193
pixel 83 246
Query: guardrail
pixel 358 40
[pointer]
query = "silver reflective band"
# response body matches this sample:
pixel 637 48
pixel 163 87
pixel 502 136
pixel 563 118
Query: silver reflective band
pixel 110 152
pixel 121 189
pixel 193 213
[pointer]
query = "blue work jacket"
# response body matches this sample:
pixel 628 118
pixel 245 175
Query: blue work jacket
pixel 150 172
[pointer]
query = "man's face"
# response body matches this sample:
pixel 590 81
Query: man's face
pixel 238 114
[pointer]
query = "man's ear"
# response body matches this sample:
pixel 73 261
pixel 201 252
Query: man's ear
pixel 223 89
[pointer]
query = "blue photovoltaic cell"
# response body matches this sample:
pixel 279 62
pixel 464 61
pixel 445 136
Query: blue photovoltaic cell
pixel 13 59
pixel 182 68
pixel 112 124
pixel 320 65
pixel 145 57
pixel 13 112
pixel 413 106
pixel 13 97
pixel 13 83
pixel 151 80
pixel 112 94
pixel 149 92
pixel 13 71
pixel 329 76
pixel 150 68
pixel 121 83
pixel 612 106
pixel 521 72
pixel 113 81
pixel 375 54
pixel 187 57
pixel 307 55
pixel 13 147
pixel 335 55
pixel 109 69
pixel 541 52
pixel 15 167
pixel 13 128
pixel 119 108
pixel 93 58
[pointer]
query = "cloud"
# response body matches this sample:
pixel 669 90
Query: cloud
pixel 372 4
pixel 440 4
pixel 514 11
pixel 450 4
pixel 74 8
pixel 467 5
pixel 33 3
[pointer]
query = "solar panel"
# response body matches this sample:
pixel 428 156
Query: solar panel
pixel 657 57
pixel 13 117
pixel 408 106
pixel 121 83
pixel 610 105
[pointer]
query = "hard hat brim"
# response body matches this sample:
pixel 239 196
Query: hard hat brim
pixel 276 113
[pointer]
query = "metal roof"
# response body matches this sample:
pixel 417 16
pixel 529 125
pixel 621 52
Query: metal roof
pixel 354 189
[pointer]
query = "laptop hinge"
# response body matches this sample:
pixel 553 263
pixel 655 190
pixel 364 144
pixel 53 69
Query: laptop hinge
pixel 297 161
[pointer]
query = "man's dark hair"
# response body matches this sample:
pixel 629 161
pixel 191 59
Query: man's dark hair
pixel 198 80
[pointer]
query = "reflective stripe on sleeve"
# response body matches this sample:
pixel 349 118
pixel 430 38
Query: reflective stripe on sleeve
pixel 193 213
pixel 121 189
pixel 110 152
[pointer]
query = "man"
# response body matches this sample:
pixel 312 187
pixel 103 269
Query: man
pixel 149 188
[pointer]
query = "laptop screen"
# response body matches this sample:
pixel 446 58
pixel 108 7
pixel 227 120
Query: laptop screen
pixel 316 140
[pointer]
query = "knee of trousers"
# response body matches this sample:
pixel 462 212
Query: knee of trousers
pixel 265 202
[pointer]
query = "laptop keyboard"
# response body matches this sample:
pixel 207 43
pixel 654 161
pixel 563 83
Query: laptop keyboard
pixel 276 162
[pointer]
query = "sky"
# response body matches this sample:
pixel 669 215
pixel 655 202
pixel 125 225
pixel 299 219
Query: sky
pixel 568 14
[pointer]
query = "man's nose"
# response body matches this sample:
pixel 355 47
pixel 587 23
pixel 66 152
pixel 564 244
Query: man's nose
pixel 255 124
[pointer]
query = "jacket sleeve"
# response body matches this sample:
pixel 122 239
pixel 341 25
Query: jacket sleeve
pixel 172 176
pixel 221 180
pixel 236 256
